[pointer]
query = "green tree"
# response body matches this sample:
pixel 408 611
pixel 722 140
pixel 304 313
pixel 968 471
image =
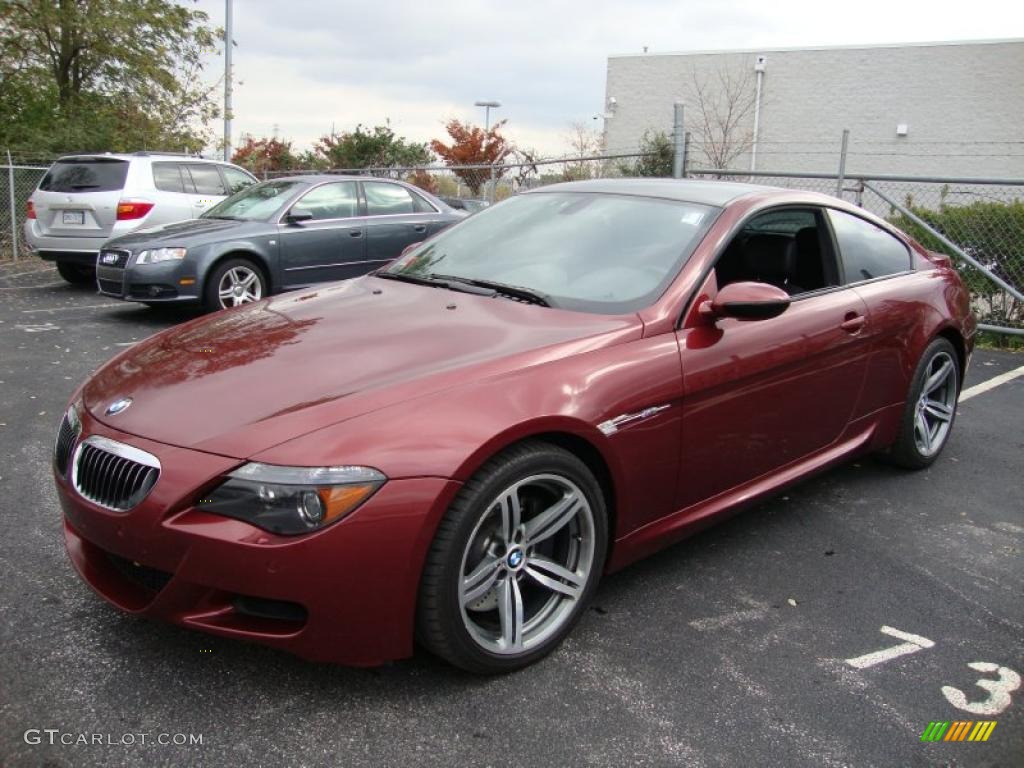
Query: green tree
pixel 656 153
pixel 376 148
pixel 104 75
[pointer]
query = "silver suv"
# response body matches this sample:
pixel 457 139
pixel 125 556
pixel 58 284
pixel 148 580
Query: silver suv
pixel 84 200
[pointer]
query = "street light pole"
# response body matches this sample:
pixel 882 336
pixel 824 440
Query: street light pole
pixel 228 42
pixel 488 105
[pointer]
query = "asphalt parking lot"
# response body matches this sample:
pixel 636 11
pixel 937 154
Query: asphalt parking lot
pixel 731 648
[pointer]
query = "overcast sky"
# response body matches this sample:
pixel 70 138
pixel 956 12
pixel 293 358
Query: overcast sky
pixel 305 65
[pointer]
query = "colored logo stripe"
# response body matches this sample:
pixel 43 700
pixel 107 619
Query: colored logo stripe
pixel 958 730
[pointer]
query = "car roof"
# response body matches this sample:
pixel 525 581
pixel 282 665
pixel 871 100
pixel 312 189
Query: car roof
pixel 136 155
pixel 716 193
pixel 320 178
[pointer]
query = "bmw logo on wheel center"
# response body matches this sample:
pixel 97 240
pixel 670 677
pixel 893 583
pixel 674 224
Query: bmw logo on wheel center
pixel 118 405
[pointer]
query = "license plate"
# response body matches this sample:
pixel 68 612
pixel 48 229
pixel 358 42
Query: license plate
pixel 74 217
pixel 108 258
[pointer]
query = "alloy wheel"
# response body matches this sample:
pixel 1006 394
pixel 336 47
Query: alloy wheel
pixel 239 285
pixel 936 404
pixel 527 563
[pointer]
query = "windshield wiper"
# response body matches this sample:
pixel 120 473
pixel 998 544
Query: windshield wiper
pixel 435 281
pixel 515 291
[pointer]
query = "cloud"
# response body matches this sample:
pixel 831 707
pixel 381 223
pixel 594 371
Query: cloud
pixel 308 64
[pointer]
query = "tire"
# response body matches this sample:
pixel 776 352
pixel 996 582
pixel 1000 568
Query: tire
pixel 233 272
pixel 75 273
pixel 932 412
pixel 539 579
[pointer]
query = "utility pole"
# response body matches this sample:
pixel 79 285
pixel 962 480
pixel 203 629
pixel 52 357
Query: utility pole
pixel 842 164
pixel 488 105
pixel 759 66
pixel 228 43
pixel 678 142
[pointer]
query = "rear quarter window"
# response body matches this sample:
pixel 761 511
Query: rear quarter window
pixel 99 175
pixel 867 251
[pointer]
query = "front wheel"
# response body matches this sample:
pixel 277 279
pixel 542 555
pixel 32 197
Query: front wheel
pixel 515 561
pixel 232 283
pixel 931 407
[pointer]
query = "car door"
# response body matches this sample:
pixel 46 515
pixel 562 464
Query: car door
pixel 204 186
pixel 761 394
pixel 330 244
pixel 395 218
pixel 877 265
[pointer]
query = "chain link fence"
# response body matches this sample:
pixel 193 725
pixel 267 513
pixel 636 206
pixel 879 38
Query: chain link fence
pixel 17 183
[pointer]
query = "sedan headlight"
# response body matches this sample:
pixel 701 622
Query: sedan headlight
pixel 292 500
pixel 156 255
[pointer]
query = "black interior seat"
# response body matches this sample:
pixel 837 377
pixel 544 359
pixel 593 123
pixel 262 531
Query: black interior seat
pixel 771 258
pixel 808 270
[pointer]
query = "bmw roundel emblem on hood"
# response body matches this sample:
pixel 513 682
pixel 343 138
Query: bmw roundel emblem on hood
pixel 118 405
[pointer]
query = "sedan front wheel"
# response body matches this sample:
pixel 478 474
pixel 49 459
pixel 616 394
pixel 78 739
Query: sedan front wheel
pixel 515 560
pixel 234 282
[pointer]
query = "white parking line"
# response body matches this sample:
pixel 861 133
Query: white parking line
pixel 80 306
pixel 992 383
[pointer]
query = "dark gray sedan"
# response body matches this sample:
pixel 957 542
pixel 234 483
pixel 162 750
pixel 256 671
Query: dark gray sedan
pixel 275 236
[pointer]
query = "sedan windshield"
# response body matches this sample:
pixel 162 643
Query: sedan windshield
pixel 576 250
pixel 255 203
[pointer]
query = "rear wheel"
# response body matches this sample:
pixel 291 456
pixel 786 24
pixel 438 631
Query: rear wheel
pixel 232 283
pixel 76 274
pixel 515 561
pixel 931 407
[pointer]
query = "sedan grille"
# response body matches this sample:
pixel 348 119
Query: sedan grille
pixel 112 474
pixel 70 428
pixel 112 258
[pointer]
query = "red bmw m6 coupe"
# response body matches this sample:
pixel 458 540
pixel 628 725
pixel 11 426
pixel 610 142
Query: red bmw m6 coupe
pixel 455 448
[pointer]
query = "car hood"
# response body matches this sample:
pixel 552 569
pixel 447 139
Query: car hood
pixel 243 380
pixel 190 232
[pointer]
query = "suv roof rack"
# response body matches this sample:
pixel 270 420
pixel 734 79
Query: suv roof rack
pixel 149 152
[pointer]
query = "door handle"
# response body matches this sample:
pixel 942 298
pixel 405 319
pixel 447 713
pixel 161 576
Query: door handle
pixel 355 233
pixel 853 322
pixel 419 227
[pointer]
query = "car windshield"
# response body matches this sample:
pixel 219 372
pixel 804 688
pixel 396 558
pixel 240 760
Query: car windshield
pixel 584 251
pixel 255 203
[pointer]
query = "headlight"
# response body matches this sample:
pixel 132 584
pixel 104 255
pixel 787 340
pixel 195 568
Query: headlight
pixel 156 255
pixel 291 500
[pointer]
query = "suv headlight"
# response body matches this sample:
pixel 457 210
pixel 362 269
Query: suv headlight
pixel 156 255
pixel 292 500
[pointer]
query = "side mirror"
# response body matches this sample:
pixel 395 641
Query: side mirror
pixel 746 301
pixel 296 215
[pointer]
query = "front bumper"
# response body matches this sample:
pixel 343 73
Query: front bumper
pixel 346 594
pixel 166 282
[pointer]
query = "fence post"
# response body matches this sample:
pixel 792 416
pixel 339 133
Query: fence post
pixel 686 154
pixel 842 164
pixel 14 211
pixel 678 143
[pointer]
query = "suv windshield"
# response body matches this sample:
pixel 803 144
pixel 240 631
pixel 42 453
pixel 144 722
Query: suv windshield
pixel 255 203
pixel 77 174
pixel 590 252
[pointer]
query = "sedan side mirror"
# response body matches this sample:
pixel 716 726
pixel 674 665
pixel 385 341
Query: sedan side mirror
pixel 746 301
pixel 295 215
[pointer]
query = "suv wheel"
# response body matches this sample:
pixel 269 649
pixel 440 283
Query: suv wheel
pixel 234 282
pixel 76 274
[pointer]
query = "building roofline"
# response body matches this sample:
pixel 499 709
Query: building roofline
pixel 862 46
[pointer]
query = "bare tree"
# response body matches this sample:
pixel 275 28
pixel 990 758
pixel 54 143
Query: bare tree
pixel 583 142
pixel 724 103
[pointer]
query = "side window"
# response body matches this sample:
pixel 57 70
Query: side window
pixel 868 251
pixel 422 206
pixel 237 181
pixel 787 248
pixel 383 199
pixel 206 179
pixel 338 200
pixel 167 177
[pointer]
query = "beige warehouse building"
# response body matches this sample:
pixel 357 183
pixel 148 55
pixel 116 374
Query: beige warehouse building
pixel 951 109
